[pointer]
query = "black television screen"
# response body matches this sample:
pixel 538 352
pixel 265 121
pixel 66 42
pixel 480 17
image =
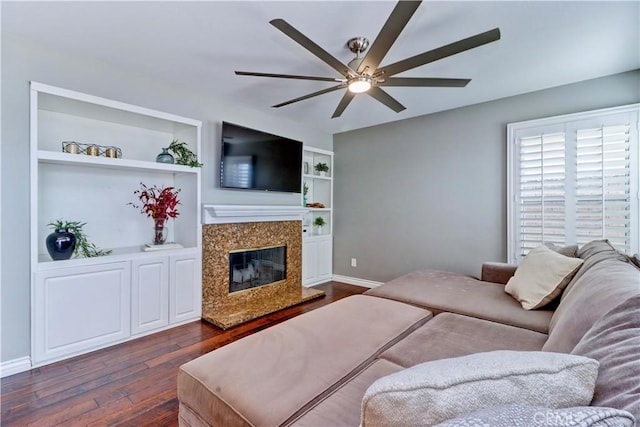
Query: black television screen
pixel 256 160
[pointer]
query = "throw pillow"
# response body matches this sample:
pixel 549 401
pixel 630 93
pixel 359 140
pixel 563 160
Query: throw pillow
pixel 541 277
pixel 570 251
pixel 614 341
pixel 439 390
pixel 521 415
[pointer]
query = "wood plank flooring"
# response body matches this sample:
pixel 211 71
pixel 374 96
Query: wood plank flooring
pixel 130 384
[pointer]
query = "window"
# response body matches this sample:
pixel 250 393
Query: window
pixel 573 179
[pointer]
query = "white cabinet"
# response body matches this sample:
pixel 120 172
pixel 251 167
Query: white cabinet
pixel 149 294
pixel 185 287
pixel 80 308
pixel 82 304
pixel 317 241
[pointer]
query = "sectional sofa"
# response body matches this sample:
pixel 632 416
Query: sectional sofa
pixel 435 347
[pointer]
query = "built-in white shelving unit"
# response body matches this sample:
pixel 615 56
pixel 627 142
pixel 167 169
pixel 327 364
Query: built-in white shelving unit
pixel 317 244
pixel 82 304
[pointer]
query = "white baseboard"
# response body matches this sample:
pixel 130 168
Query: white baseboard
pixel 15 366
pixel 355 281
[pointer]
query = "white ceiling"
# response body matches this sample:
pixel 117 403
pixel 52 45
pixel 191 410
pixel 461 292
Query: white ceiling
pixel 198 45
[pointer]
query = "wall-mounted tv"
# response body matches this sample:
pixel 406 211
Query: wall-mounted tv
pixel 256 160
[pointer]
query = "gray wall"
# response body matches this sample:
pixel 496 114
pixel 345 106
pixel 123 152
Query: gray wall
pixel 21 63
pixel 430 192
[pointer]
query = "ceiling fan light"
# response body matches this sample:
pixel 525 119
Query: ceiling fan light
pixel 359 85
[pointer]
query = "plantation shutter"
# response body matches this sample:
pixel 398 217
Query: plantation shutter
pixel 574 179
pixel 603 185
pixel 541 190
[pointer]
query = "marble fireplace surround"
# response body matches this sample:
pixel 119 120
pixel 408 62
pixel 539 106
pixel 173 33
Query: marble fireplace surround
pixel 234 227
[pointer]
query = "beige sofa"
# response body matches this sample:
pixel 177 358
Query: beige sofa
pixel 358 361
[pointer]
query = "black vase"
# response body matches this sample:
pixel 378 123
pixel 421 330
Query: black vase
pixel 61 244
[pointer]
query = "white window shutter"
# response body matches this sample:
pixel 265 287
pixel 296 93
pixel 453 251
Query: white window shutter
pixel 603 185
pixel 574 179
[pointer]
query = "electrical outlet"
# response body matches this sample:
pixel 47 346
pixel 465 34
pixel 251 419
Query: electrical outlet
pixel 354 263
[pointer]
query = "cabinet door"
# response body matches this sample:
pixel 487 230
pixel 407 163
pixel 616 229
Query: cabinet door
pixel 79 309
pixel 325 259
pixel 149 294
pixel 185 287
pixel 309 262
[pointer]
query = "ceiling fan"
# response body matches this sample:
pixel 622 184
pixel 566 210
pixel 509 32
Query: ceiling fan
pixel 364 74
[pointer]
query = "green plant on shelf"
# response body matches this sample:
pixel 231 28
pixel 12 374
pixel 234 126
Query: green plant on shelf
pixel 321 167
pixel 184 156
pixel 83 246
pixel 305 189
pixel 319 221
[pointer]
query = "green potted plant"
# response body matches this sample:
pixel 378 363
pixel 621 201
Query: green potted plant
pixel 183 155
pixel 319 222
pixel 321 168
pixel 83 247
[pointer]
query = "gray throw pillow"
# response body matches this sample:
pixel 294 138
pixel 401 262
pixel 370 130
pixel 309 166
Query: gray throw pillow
pixel 614 341
pixel 439 390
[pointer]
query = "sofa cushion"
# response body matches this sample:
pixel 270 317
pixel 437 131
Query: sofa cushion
pixel 606 284
pixel 436 391
pixel 541 277
pixel 295 363
pixel 614 341
pixel 441 291
pixel 570 251
pixel 453 335
pixel 342 408
pixel 522 415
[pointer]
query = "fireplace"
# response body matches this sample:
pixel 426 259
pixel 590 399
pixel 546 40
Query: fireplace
pixel 252 268
pixel 237 260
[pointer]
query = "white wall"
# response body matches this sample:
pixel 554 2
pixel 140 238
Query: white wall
pixel 22 63
pixel 430 192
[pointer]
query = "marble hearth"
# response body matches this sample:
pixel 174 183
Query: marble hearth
pixel 231 228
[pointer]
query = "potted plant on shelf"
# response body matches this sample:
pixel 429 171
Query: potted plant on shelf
pixel 68 238
pixel 321 168
pixel 319 222
pixel 305 190
pixel 184 156
pixel 160 204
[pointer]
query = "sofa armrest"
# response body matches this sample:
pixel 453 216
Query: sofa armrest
pixel 497 272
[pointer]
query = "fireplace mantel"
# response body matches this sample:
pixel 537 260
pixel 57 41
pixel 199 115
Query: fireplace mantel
pixel 228 214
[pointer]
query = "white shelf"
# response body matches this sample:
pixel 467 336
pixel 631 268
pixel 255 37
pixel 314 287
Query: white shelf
pixel 68 159
pixel 310 176
pixel 118 254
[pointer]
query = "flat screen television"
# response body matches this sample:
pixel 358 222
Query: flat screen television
pixel 256 160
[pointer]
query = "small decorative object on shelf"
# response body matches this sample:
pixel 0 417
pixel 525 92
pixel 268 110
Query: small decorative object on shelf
pixel 158 204
pixel 321 168
pixel 73 147
pixel 305 190
pixel 319 222
pixel 184 156
pixel 81 245
pixel 164 157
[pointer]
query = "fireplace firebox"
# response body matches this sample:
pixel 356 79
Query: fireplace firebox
pixel 251 268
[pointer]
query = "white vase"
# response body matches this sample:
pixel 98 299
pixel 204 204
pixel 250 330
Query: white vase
pixel 318 230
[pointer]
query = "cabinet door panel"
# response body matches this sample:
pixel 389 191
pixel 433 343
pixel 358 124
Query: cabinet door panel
pixel 185 288
pixel 325 258
pixel 150 294
pixel 309 261
pixel 80 308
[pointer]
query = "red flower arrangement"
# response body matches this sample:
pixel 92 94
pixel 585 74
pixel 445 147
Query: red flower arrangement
pixel 158 203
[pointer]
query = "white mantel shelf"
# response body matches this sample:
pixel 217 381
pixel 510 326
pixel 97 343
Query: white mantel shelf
pixel 228 214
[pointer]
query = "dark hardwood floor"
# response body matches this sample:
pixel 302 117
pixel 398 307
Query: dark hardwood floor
pixel 130 384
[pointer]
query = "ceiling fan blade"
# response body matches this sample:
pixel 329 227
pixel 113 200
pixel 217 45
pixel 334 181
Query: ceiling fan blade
pixel 289 76
pixel 440 53
pixel 386 99
pixel 396 22
pixel 311 95
pixel 308 44
pixel 344 103
pixel 424 82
